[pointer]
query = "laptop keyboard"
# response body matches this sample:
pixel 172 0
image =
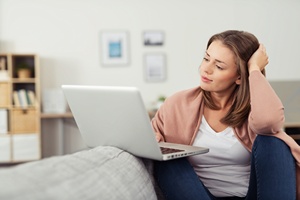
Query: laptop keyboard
pixel 166 150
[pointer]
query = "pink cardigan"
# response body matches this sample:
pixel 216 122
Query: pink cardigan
pixel 179 118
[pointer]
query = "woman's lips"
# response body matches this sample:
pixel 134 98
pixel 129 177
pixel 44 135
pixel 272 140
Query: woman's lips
pixel 205 79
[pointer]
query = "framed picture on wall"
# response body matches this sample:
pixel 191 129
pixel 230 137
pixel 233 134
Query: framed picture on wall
pixel 114 48
pixel 155 67
pixel 153 38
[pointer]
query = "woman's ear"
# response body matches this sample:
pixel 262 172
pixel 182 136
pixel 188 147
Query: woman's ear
pixel 238 81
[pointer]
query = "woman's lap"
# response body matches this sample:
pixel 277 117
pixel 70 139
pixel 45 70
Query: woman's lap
pixel 271 171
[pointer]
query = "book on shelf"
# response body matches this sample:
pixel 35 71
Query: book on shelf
pixel 24 98
pixel 16 99
pixel 31 97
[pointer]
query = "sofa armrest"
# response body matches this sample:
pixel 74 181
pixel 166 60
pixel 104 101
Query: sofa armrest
pixel 99 173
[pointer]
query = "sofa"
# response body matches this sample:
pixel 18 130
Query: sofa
pixel 100 173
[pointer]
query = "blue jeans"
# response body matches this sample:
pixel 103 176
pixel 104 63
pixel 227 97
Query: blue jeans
pixel 272 176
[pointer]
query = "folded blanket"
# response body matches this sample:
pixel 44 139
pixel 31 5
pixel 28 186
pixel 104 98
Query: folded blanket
pixel 99 173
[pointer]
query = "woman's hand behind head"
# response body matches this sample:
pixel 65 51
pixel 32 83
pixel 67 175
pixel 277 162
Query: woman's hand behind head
pixel 258 60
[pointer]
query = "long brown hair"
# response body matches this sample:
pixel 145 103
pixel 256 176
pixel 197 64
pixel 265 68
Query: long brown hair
pixel 243 45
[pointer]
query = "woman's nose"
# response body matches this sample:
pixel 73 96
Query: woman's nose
pixel 208 68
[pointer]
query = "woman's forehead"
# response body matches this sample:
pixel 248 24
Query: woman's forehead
pixel 218 51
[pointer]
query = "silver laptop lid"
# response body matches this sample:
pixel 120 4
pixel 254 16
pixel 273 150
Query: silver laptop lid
pixel 113 116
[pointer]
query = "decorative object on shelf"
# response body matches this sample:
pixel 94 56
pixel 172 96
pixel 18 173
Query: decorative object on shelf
pixel 153 38
pixel 161 99
pixel 156 105
pixel 23 70
pixel 155 67
pixel 114 48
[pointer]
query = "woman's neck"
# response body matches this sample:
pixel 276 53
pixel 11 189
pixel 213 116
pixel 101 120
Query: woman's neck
pixel 222 101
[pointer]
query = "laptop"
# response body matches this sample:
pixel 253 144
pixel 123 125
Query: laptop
pixel 116 116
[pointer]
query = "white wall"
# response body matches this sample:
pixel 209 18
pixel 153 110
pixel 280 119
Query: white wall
pixel 65 34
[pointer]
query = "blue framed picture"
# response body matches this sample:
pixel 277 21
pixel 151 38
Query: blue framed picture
pixel 114 48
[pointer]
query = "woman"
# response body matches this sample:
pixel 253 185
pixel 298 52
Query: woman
pixel 233 112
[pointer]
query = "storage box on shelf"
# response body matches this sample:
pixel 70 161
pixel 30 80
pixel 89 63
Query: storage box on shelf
pixel 20 106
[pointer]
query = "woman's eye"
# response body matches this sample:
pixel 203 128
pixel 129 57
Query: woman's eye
pixel 206 59
pixel 219 67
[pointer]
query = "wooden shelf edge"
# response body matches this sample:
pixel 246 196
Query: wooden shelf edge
pixel 291 124
pixel 56 115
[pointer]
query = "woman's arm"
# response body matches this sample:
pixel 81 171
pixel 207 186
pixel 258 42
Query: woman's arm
pixel 267 112
pixel 157 125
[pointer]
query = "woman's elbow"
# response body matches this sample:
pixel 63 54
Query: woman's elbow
pixel 271 125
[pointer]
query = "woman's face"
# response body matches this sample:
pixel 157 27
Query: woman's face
pixel 218 70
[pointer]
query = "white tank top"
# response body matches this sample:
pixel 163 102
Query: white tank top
pixel 225 169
